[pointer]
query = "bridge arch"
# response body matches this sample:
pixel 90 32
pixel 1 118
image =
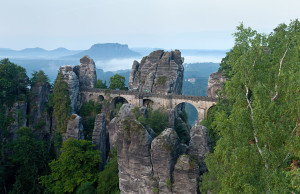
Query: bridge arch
pixel 188 110
pixel 148 103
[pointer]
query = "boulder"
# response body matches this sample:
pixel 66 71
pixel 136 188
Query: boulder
pixel 99 137
pixel 199 145
pixel 164 152
pixel 159 72
pixel 215 84
pixel 185 175
pixel 74 128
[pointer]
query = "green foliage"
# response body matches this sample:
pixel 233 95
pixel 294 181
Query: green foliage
pixel 223 105
pixel 162 80
pixel 13 82
pixel 117 82
pixel 100 84
pixel 88 126
pixel 39 77
pixel 118 107
pixel 158 120
pixel 182 133
pixel 169 183
pixel 90 109
pixel 86 188
pixel 77 164
pixel 31 159
pixel 108 181
pixel 62 102
pixel 258 136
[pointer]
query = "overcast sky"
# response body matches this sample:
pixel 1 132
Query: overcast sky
pixel 169 24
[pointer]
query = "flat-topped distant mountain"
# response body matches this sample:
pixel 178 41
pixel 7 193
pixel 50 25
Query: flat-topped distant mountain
pixel 36 53
pixel 107 51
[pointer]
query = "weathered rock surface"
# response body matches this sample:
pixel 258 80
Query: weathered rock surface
pixel 186 175
pixel 73 82
pixel 79 78
pixel 164 153
pixel 18 114
pixel 199 145
pixel 99 137
pixel 38 117
pixel 159 72
pixel 134 158
pixel 74 128
pixel 86 73
pixel 215 83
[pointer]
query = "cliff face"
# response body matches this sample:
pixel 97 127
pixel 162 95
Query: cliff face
pixel 215 84
pixel 149 163
pixel 39 119
pixel 159 72
pixel 79 77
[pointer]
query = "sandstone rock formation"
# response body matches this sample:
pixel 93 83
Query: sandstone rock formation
pixel 134 157
pixel 74 128
pixel 150 164
pixel 18 115
pixel 159 72
pixel 215 83
pixel 199 145
pixel 73 82
pixel 79 78
pixel 164 153
pixel 186 175
pixel 38 117
pixel 86 73
pixel 99 137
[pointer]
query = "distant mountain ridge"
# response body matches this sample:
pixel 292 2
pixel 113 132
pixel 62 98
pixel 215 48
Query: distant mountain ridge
pixel 107 51
pixel 36 52
pixel 104 51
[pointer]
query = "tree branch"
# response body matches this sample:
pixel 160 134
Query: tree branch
pixel 251 114
pixel 279 72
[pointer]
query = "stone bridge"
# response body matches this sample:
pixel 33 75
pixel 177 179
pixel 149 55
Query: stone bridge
pixel 155 101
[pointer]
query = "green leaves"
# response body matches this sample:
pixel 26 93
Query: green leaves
pixel 13 82
pixel 117 82
pixel 62 102
pixel 77 164
pixel 256 140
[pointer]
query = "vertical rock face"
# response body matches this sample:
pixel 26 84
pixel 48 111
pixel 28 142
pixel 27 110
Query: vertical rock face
pixel 99 137
pixel 18 115
pixel 159 72
pixel 199 145
pixel 186 175
pixel 79 78
pixel 37 104
pixel 86 73
pixel 74 128
pixel 164 152
pixel 73 82
pixel 134 158
pixel 215 83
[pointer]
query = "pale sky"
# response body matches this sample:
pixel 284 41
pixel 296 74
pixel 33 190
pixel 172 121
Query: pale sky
pixel 169 24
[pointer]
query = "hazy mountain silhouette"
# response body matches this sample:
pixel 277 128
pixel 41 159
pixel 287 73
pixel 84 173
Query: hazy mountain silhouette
pixel 107 51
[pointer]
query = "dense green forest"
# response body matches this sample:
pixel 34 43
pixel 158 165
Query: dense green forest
pixel 254 128
pixel 255 125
